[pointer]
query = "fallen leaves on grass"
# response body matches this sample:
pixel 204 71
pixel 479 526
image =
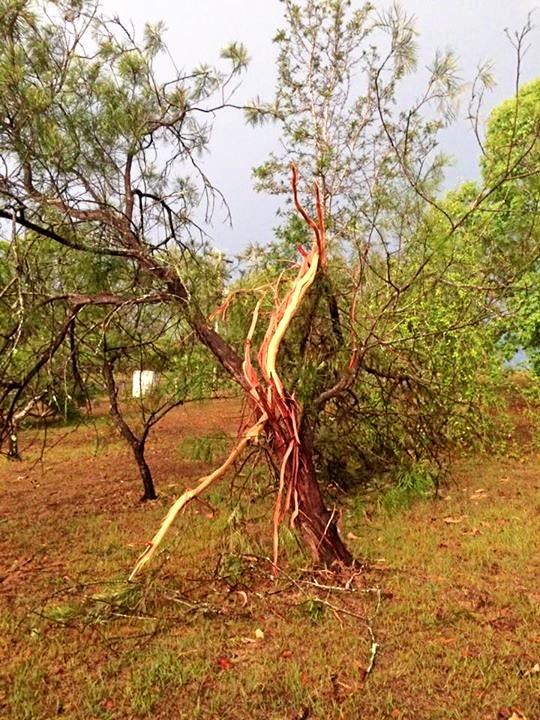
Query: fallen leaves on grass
pixel 510 714
pixel 224 663
pixel 447 640
pixel 479 494
pixel 533 671
pixel 453 520
pixel 504 621
pixel 340 689
pixel 243 595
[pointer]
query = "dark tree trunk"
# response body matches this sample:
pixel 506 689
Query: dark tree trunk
pixel 136 444
pixel 79 391
pixel 318 525
pixel 144 472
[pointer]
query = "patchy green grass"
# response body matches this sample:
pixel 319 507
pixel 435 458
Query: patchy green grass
pixel 445 604
pixel 206 448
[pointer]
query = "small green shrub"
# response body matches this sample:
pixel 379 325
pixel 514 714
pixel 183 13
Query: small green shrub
pixel 62 613
pixel 124 599
pixel 313 609
pixel 415 482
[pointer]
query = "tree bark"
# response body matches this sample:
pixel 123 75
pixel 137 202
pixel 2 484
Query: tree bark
pixel 13 445
pixel 136 444
pixel 144 472
pixel 317 524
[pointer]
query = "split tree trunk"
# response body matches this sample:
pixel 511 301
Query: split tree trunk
pixel 274 409
pixel 316 524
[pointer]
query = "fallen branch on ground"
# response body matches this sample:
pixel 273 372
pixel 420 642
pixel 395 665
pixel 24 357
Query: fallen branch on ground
pixel 253 432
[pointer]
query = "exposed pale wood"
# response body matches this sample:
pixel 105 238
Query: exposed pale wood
pixel 186 497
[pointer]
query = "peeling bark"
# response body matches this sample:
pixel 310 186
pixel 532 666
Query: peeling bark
pixel 276 413
pixel 317 524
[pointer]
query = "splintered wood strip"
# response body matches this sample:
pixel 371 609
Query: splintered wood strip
pixel 252 433
pixel 278 505
pixel 282 406
pixel 287 308
pixel 293 301
pixel 247 367
pixel 309 220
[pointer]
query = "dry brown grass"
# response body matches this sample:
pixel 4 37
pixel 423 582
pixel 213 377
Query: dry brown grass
pixel 449 591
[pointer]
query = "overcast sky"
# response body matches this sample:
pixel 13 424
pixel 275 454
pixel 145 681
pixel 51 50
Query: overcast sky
pixel 198 29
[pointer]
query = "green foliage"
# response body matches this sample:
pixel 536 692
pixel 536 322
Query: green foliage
pixel 410 288
pixel 232 567
pixel 164 671
pixel 124 599
pixel 416 482
pixel 513 230
pixel 523 329
pixel 512 139
pixel 237 54
pixel 313 609
pixel 93 146
pixel 205 449
pixel 430 369
pixel 63 613
pixel 340 67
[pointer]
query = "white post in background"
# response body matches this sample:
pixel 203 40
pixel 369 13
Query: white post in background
pixel 143 382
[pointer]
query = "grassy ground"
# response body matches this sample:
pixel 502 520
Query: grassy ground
pixel 440 620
